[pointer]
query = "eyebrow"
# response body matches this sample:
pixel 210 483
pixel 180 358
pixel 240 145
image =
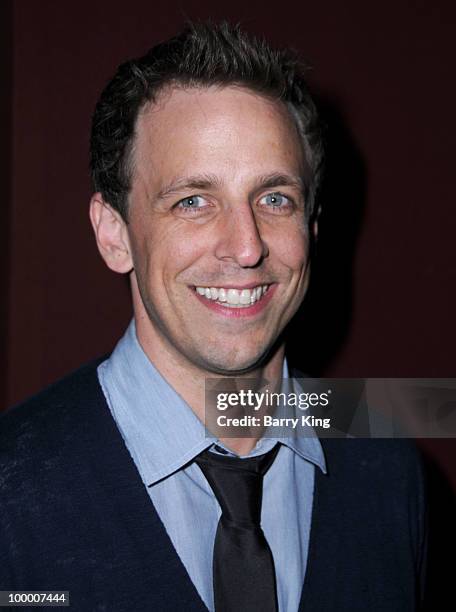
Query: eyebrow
pixel 277 179
pixel 198 181
pixel 208 181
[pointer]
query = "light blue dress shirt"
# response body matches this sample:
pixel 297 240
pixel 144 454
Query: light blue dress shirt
pixel 163 435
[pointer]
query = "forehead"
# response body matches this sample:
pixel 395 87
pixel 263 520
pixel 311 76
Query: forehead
pixel 219 130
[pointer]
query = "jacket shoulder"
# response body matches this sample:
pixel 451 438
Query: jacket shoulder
pixel 45 416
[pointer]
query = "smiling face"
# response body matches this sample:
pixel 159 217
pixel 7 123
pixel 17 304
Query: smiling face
pixel 217 229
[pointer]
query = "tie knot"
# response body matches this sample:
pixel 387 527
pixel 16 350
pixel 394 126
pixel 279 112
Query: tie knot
pixel 237 484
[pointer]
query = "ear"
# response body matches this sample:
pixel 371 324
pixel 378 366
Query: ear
pixel 111 235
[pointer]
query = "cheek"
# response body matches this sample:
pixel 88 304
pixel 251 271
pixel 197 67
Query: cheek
pixel 172 251
pixel 293 252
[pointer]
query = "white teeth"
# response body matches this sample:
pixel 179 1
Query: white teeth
pixel 244 298
pixel 233 297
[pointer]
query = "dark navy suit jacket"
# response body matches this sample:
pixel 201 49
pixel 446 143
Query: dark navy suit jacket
pixel 74 515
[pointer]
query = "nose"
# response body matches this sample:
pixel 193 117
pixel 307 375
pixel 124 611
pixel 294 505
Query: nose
pixel 241 240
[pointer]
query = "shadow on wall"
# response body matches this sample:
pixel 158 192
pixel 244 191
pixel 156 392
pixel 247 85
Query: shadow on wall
pixel 321 326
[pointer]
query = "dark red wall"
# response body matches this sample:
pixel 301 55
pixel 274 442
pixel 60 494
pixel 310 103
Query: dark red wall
pixel 384 296
pixel 384 76
pixel 386 71
pixel 383 302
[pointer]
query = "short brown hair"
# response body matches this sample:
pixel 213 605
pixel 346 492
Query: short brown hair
pixel 203 54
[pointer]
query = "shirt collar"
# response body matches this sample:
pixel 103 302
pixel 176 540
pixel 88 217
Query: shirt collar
pixel 306 446
pixel 158 426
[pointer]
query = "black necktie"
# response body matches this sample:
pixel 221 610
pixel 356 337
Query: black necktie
pixel 243 567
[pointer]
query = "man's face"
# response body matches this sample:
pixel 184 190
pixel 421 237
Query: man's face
pixel 217 228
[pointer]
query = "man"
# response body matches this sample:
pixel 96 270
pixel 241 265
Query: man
pixel 206 160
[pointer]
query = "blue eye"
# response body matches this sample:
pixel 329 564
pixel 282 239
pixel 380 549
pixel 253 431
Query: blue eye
pixel 191 202
pixel 276 200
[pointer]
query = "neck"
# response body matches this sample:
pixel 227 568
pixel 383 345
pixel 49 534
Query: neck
pixel 189 380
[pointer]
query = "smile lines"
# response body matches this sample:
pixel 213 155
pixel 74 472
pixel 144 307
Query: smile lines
pixel 237 298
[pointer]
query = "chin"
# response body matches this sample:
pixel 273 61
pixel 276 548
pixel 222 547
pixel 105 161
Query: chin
pixel 234 366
